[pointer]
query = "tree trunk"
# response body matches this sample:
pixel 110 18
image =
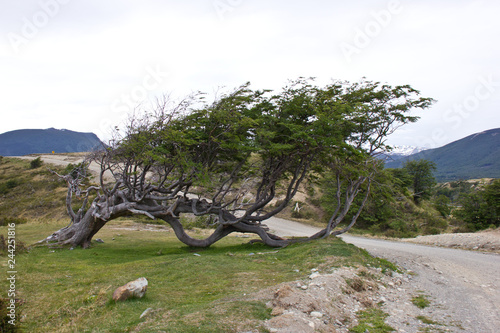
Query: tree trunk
pixel 79 233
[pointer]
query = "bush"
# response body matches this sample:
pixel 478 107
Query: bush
pixel 200 222
pixel 5 326
pixel 8 185
pixel 442 205
pixel 481 209
pixel 7 220
pixel 36 163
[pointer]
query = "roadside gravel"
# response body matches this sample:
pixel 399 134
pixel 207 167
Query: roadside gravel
pixel 463 286
pixel 487 241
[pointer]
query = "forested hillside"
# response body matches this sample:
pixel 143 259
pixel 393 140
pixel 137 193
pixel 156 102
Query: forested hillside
pixel 473 157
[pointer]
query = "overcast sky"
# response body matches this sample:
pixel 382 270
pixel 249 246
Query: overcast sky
pixel 84 64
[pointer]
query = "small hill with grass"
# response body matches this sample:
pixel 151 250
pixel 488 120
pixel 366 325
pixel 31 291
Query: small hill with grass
pixel 473 157
pixel 40 141
pixel 30 192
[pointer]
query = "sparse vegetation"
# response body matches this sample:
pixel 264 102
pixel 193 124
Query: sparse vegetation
pixel 373 321
pixel 421 301
pixel 427 321
pixel 29 194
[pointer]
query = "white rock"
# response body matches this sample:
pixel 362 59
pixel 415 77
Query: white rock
pixel 136 288
pixel 316 314
pixel 314 275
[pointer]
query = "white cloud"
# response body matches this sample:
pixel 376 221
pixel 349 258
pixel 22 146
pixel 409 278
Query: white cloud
pixel 90 54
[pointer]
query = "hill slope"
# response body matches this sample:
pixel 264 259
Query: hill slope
pixel 38 141
pixel 475 156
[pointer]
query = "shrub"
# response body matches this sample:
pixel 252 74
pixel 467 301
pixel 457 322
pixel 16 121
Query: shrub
pixel 36 163
pixel 8 185
pixel 7 220
pixel 5 326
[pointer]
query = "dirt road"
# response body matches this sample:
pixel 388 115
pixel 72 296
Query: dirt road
pixel 463 286
pixel 63 160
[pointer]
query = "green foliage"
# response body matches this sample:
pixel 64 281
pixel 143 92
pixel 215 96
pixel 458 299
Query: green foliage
pixel 4 220
pixel 453 190
pixel 421 174
pixel 390 209
pixel 481 208
pixel 443 205
pixel 271 140
pixel 36 163
pixel 5 326
pixel 9 185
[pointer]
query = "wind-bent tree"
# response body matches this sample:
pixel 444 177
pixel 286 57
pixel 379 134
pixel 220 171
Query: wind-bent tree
pixel 233 159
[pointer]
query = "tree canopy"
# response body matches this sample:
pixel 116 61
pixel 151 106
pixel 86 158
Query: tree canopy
pixel 422 177
pixel 242 158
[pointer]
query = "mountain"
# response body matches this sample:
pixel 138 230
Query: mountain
pixel 475 156
pixel 37 141
pixel 399 152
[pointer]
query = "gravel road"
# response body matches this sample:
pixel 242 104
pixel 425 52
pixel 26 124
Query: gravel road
pixel 63 160
pixel 463 286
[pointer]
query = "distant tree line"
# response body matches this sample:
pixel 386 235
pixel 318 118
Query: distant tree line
pixel 408 201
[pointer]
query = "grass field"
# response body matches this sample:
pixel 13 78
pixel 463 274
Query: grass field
pixel 190 290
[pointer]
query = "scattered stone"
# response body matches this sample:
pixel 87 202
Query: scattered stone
pixel 316 314
pixel 314 275
pixel 98 240
pixel 197 254
pixel 136 288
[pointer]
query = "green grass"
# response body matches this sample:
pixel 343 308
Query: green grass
pixel 373 321
pixel 427 321
pixel 30 194
pixel 70 290
pixel 420 301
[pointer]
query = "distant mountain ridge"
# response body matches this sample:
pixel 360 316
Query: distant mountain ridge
pixel 475 156
pixel 40 141
pixel 399 152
